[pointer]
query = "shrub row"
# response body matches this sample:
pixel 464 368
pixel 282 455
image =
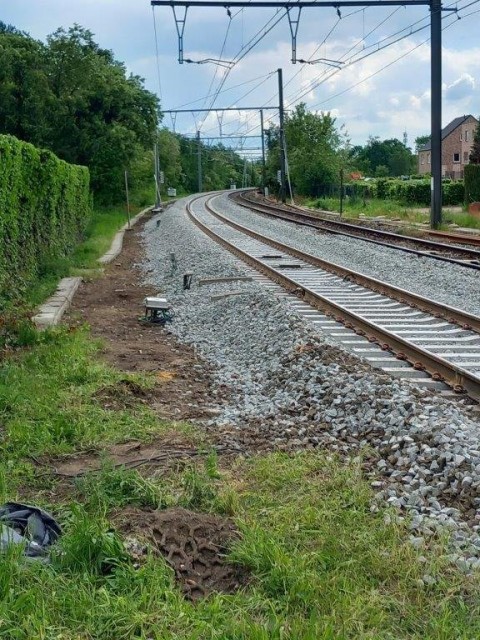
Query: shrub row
pixel 45 205
pixel 472 183
pixel 417 192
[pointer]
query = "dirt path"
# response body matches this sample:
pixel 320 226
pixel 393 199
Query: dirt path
pixel 112 306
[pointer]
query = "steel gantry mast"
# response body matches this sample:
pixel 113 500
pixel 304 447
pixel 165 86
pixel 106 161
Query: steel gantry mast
pixel 293 10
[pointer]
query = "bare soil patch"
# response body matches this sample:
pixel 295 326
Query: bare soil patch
pixel 164 451
pixel 112 306
pixel 194 545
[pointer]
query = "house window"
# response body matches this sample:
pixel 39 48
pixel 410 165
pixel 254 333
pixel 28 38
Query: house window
pixel 456 157
pixel 422 159
pixel 466 136
pixel 428 158
pixel 465 157
pixel 461 136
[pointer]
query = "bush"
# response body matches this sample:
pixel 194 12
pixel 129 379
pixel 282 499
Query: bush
pixel 45 205
pixel 472 183
pixel 418 192
pixel 454 193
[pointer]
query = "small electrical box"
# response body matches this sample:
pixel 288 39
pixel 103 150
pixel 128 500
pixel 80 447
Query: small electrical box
pixel 157 310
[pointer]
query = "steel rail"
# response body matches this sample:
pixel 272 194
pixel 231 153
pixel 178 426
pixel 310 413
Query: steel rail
pixel 457 237
pixel 349 230
pixel 439 368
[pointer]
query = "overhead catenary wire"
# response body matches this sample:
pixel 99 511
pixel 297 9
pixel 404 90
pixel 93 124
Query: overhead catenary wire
pixel 246 49
pixel 370 49
pixel 401 57
pixel 290 103
pixel 325 39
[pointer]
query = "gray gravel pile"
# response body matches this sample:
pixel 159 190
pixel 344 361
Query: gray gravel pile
pixel 281 386
pixel 448 283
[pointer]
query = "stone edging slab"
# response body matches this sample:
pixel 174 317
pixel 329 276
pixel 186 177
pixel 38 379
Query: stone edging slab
pixel 117 241
pixel 51 311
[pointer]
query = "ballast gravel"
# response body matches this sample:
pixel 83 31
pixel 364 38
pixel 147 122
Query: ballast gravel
pixel 448 283
pixel 281 385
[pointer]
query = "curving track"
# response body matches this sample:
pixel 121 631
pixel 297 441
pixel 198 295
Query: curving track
pixel 446 252
pixel 441 340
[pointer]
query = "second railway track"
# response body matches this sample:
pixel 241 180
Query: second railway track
pixel 441 340
pixel 446 252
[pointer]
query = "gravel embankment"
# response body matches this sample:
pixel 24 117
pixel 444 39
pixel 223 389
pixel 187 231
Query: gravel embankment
pixel 281 386
pixel 445 282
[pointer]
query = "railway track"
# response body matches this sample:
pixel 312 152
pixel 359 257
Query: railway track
pixel 446 252
pixel 434 338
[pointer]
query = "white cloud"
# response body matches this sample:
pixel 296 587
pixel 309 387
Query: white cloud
pixel 461 88
pixel 369 97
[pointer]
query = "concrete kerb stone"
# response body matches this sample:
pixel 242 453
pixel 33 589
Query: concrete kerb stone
pixel 117 242
pixel 50 312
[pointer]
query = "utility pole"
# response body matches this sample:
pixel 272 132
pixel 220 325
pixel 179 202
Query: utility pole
pixel 199 159
pixel 283 188
pixel 436 107
pixel 264 168
pixel 158 197
pixel 128 198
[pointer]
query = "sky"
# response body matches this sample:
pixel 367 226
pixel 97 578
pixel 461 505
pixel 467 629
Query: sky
pixel 379 86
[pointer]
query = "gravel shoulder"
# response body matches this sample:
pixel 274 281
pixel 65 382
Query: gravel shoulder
pixel 280 386
pixel 448 283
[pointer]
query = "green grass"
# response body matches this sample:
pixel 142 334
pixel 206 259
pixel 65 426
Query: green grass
pixel 391 209
pixel 48 404
pixel 105 222
pixel 323 565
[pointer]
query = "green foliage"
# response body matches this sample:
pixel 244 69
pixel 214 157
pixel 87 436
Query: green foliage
pixel 116 487
pixel 475 153
pixel 90 546
pixel 415 192
pixel 315 150
pixel 421 141
pixel 51 390
pixel 45 206
pixel 74 98
pixel 383 158
pixel 221 166
pixel 472 183
pixel 382 171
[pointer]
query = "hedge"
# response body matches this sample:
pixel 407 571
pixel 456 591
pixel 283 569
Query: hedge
pixel 45 205
pixel 417 192
pixel 472 183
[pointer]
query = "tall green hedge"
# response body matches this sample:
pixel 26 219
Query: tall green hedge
pixel 45 205
pixel 472 183
pixel 417 192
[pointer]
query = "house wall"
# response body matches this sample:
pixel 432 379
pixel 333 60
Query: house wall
pixel 424 165
pixel 456 143
pixel 459 141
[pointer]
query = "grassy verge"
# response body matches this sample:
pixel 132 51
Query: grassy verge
pixel 323 565
pixel 105 222
pixel 393 210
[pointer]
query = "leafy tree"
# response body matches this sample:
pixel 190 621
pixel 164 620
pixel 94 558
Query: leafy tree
pixel 381 171
pixel 475 152
pixel 392 154
pixel 420 141
pixel 313 150
pixel 73 97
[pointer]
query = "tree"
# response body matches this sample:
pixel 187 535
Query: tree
pixel 390 154
pixel 74 98
pixel 421 141
pixel 475 152
pixel 313 150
